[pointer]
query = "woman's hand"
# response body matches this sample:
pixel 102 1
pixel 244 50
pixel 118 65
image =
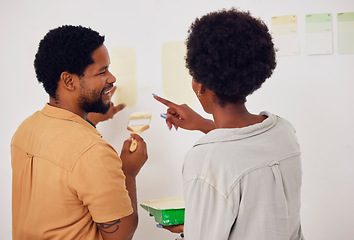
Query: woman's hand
pixel 185 117
pixel 173 228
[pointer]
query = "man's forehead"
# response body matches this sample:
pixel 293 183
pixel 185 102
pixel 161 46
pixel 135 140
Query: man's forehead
pixel 100 59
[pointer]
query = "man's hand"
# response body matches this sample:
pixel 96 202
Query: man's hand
pixel 133 161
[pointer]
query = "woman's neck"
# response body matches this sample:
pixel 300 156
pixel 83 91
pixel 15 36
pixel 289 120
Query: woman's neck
pixel 235 116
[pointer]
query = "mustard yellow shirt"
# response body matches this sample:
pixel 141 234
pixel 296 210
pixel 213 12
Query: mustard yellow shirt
pixel 65 178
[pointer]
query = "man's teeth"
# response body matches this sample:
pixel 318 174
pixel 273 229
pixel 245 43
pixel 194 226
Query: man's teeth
pixel 108 91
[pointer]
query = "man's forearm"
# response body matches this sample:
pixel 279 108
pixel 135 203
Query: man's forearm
pixel 131 187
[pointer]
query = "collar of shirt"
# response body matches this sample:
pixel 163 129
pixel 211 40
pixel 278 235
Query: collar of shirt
pixel 60 113
pixel 232 134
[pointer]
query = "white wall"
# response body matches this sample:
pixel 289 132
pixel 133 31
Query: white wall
pixel 313 92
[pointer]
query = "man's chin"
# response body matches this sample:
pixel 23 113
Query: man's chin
pixel 103 109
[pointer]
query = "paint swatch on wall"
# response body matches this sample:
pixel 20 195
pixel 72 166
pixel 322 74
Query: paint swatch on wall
pixel 319 34
pixel 176 81
pixel 123 67
pixel 285 35
pixel 346 32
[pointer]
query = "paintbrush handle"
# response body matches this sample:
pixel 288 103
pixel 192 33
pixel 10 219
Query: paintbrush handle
pixel 133 145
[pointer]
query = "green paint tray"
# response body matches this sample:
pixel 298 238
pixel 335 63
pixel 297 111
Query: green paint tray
pixel 168 211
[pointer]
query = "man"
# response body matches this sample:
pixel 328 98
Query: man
pixel 68 183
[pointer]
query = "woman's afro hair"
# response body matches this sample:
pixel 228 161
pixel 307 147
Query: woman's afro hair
pixel 231 53
pixel 66 48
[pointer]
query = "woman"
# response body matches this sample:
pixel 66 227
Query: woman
pixel 242 179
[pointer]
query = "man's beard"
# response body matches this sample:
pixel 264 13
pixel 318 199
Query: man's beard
pixel 96 106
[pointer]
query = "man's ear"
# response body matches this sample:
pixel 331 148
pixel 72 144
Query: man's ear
pixel 67 80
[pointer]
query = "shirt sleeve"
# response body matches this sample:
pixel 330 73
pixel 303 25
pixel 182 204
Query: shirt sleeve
pixel 99 181
pixel 209 215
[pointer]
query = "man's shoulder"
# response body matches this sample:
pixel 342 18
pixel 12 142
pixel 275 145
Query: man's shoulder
pixel 61 141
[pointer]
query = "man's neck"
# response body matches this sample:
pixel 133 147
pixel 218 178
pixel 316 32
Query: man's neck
pixel 67 106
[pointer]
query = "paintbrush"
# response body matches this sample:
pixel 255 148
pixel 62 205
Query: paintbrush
pixel 138 123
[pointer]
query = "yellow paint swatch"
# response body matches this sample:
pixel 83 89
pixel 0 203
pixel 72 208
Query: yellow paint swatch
pixel 123 67
pixel 284 24
pixel 176 81
pixel 285 35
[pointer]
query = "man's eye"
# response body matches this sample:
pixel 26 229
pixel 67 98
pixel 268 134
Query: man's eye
pixel 103 73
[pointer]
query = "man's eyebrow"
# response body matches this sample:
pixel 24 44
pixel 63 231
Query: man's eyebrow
pixel 103 68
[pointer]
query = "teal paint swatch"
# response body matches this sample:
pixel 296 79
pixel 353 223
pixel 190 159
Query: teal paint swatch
pixel 319 34
pixel 345 32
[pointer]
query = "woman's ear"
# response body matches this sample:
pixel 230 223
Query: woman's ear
pixel 202 88
pixel 67 80
pixel 198 88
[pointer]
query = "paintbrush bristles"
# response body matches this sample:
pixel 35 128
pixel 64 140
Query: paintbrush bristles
pixel 140 115
pixel 138 122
